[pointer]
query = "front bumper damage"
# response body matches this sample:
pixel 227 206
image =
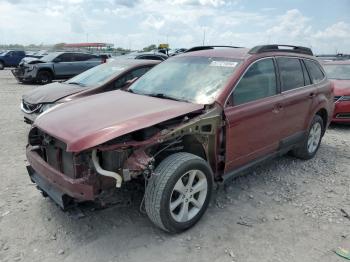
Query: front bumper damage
pixel 61 189
pixel 24 74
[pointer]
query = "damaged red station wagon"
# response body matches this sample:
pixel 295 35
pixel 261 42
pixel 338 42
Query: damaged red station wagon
pixel 195 119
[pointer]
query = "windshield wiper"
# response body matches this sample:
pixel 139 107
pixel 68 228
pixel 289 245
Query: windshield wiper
pixel 76 83
pixel 164 96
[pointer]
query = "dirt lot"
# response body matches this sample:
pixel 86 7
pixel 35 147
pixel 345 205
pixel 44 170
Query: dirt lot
pixel 286 210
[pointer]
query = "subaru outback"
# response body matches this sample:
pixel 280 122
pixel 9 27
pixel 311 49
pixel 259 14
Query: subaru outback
pixel 197 119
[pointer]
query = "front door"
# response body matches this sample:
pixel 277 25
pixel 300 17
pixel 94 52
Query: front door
pixel 254 115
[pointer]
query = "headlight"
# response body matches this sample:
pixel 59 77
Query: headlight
pixel 45 107
pixel 30 68
pixel 345 98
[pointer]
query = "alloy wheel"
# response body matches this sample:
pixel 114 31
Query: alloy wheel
pixel 314 137
pixel 188 196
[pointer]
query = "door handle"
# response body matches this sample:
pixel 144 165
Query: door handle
pixel 277 108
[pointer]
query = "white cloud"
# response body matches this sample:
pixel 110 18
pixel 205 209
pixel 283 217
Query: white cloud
pixel 138 23
pixel 338 30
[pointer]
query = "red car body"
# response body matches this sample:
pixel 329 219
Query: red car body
pixel 341 91
pixel 229 137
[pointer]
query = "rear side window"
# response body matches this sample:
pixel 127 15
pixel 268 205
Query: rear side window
pixel 315 71
pixel 291 73
pixel 258 82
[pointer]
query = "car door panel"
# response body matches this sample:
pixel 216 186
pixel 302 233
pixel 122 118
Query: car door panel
pixel 243 142
pixel 297 97
pixel 253 120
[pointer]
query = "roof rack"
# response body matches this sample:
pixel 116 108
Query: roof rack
pixel 279 48
pixel 207 47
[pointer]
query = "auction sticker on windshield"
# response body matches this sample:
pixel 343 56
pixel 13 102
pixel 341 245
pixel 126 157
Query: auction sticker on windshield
pixel 224 63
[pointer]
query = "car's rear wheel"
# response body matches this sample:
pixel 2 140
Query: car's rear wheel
pixel 312 142
pixel 179 192
pixel 44 77
pixel 2 66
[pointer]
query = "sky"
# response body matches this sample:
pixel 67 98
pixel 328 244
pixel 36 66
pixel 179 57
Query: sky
pixel 322 25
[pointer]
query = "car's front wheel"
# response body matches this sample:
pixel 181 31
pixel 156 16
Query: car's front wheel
pixel 2 66
pixel 44 77
pixel 179 192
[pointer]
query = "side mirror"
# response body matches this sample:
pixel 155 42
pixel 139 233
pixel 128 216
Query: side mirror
pixel 57 60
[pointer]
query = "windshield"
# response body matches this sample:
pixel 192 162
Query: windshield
pixel 97 75
pixel 49 57
pixel 341 72
pixel 194 79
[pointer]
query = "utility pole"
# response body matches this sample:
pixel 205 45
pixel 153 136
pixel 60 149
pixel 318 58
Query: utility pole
pixel 203 37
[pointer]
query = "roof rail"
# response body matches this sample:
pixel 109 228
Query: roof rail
pixel 207 47
pixel 279 48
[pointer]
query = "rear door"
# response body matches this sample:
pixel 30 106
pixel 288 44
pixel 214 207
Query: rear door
pixel 254 115
pixel 298 96
pixel 85 62
pixel 64 65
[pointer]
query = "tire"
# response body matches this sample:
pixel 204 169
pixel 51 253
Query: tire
pixel 2 65
pixel 172 176
pixel 311 143
pixel 44 77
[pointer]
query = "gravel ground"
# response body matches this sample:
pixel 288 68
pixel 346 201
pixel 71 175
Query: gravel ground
pixel 285 210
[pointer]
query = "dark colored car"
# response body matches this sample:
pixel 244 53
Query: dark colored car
pixel 147 55
pixel 11 58
pixel 195 119
pixel 56 65
pixel 102 78
pixel 339 73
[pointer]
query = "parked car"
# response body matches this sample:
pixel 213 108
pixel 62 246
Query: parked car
pixel 339 73
pixel 11 58
pixel 196 118
pixel 56 65
pixel 102 78
pixel 333 57
pixel 147 55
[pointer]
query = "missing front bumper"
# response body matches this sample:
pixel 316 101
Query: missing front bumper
pixel 58 196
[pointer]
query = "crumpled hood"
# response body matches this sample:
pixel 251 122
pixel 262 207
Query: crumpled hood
pixel 341 87
pixel 50 93
pixel 93 120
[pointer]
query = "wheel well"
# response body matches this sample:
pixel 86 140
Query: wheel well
pixel 46 70
pixel 193 146
pixel 324 115
pixel 188 143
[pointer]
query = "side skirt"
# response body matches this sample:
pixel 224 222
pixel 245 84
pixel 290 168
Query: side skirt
pixel 285 146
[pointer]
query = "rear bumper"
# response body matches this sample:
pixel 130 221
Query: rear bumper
pixel 62 189
pixel 341 112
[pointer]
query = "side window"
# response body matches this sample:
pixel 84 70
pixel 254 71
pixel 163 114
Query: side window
pixel 315 71
pixel 258 82
pixel 78 57
pixel 291 73
pixel 129 76
pixel 138 72
pixel 67 57
pixel 306 75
